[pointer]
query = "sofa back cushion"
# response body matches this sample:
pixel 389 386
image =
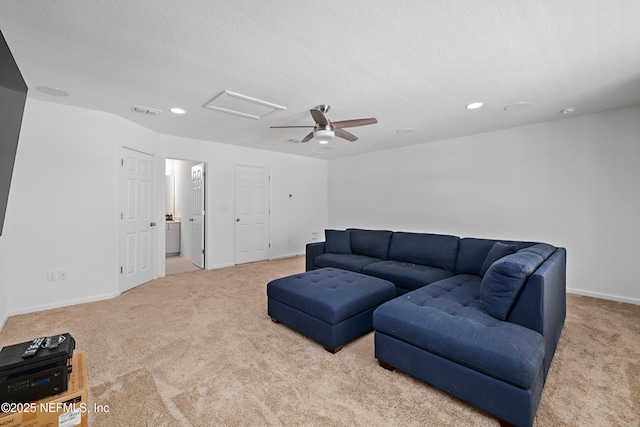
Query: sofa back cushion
pixel 433 250
pixel 497 251
pixel 373 243
pixel 543 249
pixel 503 281
pixel 337 242
pixel 473 252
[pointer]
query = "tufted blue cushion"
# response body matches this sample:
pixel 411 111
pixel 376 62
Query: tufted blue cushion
pixel 443 318
pixel 497 251
pixel 337 241
pixel 371 243
pixel 503 281
pixel 330 294
pixel 434 250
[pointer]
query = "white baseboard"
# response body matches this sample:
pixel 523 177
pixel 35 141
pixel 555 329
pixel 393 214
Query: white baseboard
pixel 604 296
pixel 288 255
pixel 32 309
pixel 215 267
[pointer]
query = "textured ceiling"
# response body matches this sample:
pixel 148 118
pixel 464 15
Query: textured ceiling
pixel 411 64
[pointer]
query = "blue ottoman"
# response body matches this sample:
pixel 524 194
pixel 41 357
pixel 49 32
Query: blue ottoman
pixel 329 305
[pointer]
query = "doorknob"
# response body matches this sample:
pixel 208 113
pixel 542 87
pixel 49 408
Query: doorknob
pixel 153 224
pixel 237 219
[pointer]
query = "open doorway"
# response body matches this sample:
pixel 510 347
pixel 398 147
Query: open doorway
pixel 185 209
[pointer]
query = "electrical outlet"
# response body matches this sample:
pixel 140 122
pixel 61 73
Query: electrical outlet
pixel 52 276
pixel 62 275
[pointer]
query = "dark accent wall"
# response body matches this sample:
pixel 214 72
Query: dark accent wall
pixel 13 95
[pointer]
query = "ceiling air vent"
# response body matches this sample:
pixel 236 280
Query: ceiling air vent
pixel 146 110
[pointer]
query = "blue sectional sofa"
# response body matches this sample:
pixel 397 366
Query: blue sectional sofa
pixel 477 318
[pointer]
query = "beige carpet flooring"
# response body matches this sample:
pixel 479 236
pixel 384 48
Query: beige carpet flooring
pixel 198 349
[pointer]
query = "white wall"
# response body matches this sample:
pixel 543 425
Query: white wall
pixel 571 182
pixel 62 212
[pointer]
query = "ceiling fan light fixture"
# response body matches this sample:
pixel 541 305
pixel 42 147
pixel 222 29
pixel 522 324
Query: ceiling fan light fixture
pixel 323 141
pixel 324 135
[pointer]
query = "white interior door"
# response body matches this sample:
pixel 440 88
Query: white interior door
pixel 137 225
pixel 252 214
pixel 197 215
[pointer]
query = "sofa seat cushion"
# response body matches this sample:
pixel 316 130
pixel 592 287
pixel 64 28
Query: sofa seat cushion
pixel 406 275
pixel 351 262
pixel 444 318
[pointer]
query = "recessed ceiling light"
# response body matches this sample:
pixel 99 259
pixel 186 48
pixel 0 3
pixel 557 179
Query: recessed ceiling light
pixel 52 91
pixel 568 110
pixel 176 110
pixel 474 105
pixel 517 106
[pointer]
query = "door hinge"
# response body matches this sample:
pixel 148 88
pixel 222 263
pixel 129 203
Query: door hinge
pixel 121 215
pixel 269 244
pixel 121 162
pixel 203 252
pixel 121 270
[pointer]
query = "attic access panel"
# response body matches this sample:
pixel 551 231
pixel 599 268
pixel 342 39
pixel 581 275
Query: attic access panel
pixel 242 105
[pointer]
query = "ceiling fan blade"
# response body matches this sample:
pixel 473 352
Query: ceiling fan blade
pixel 284 127
pixel 319 117
pixel 345 135
pixel 353 123
pixel 308 137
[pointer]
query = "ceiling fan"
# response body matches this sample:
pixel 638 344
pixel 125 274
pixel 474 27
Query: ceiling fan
pixel 324 130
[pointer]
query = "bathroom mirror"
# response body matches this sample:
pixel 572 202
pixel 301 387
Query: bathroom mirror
pixel 170 197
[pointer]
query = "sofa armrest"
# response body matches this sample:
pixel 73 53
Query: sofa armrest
pixel 542 305
pixel 312 251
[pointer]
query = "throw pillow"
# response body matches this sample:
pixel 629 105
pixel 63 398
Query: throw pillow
pixel 337 242
pixel 497 251
pixel 504 280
